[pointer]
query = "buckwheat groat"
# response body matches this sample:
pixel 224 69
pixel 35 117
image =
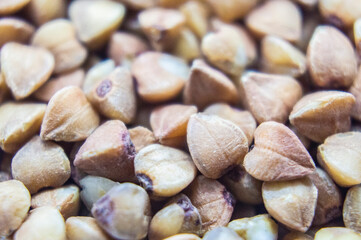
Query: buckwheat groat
pixel 95 29
pixel 187 46
pixel 308 4
pixel 65 199
pixel 15 30
pixel 152 165
pixel 331 58
pixel 221 233
pixel 255 228
pixel 43 223
pixel 207 85
pixel 14 206
pixel 280 153
pixel 69 124
pixel 160 76
pixel 183 236
pixel 108 152
pixel 213 201
pixel 352 209
pixel 11 6
pixel 230 10
pixel 18 123
pixel 138 4
pixel 292 203
pixel 124 212
pixel 80 228
pixel 357 35
pixel 269 97
pixel 320 114
pixel 337 233
pixel 42 11
pixel 223 144
pixel 161 26
pixel 280 17
pixel 196 14
pixel 169 123
pixel 4 90
pixel 25 68
pixel 356 92
pixel 141 137
pixel 96 74
pixel 40 164
pixel 297 236
pixel 59 37
pixel 178 216
pixel 170 3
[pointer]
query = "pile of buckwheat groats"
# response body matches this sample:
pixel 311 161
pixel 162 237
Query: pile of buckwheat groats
pixel 180 120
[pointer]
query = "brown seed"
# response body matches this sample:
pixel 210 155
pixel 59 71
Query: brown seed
pixel 196 14
pixel 356 92
pixel 59 37
pixel 170 3
pixel 11 6
pixel 14 206
pixel 141 137
pixel 65 199
pixel 337 233
pixel 96 74
pixel 25 68
pixel 47 91
pixel 297 236
pixel 331 58
pixel 80 228
pixel 320 114
pixel 213 201
pixel 18 123
pixel 183 236
pixel 352 208
pixel 280 17
pixel 4 90
pixel 339 155
pixel 160 77
pixel 15 30
pixel 40 164
pixel 42 11
pixel 108 152
pixel 243 119
pixel 187 46
pixel 161 26
pixel 221 233
pixel 292 203
pixel 207 85
pixel 329 200
pixel 215 144
pixel 169 123
pixel 125 47
pixel 62 123
pixel 280 153
pixel 124 212
pixel 95 29
pixel 269 97
pixel 230 10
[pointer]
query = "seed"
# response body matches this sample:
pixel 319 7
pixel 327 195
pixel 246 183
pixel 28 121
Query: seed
pixel 80 228
pixel 43 223
pixel 269 97
pixel 18 123
pixel 14 206
pixel 62 123
pixel 281 18
pixel 355 90
pixel 141 137
pixel 15 30
pixel 152 165
pixel 187 46
pixel 25 68
pixel 196 14
pixel 42 11
pixel 139 4
pixel 170 122
pixel 183 236
pixel 224 144
pixel 352 208
pixel 340 157
pixel 96 74
pixel 108 152
pixel 280 153
pixel 170 3
pixel 4 90
pixel 207 85
pixel 95 29
pixel 40 164
pixel 124 212
pixel 221 233
pixel 297 236
pixel 320 114
pixel 337 233
pixel 308 4
pixel 331 58
pixel 255 228
pixel 65 199
pixel 292 203
pixel 11 6
pixel 357 35
pixel 160 77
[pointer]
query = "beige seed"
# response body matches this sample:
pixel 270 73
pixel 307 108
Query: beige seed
pixel 141 137
pixel 96 74
pixel 230 10
pixel 352 208
pixel 11 6
pixel 80 228
pixel 196 14
pixel 15 30
pixel 221 233
pixel 355 90
pixel 187 46
pixel 183 236
pixel 42 11
pixel 337 233
pixel 357 35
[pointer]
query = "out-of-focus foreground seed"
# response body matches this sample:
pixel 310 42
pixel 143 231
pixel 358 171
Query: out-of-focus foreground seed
pixel 18 123
pixel 215 144
pixel 25 68
pixel 80 228
pixel 69 124
pixel 339 155
pixel 214 203
pixel 230 10
pixel 40 164
pixel 15 30
pixel 183 236
pixel 292 203
pixel 357 35
pixel 42 11
pixel 331 58
pixel 124 212
pixel 95 29
pixel 337 233
pixel 152 165
pixel 11 6
pixel 255 228
pixel 269 97
pixel 14 206
pixel 355 90
pixel 280 153
pixel 320 114
pixel 352 209
pixel 141 137
pixel 108 152
pixel 43 223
